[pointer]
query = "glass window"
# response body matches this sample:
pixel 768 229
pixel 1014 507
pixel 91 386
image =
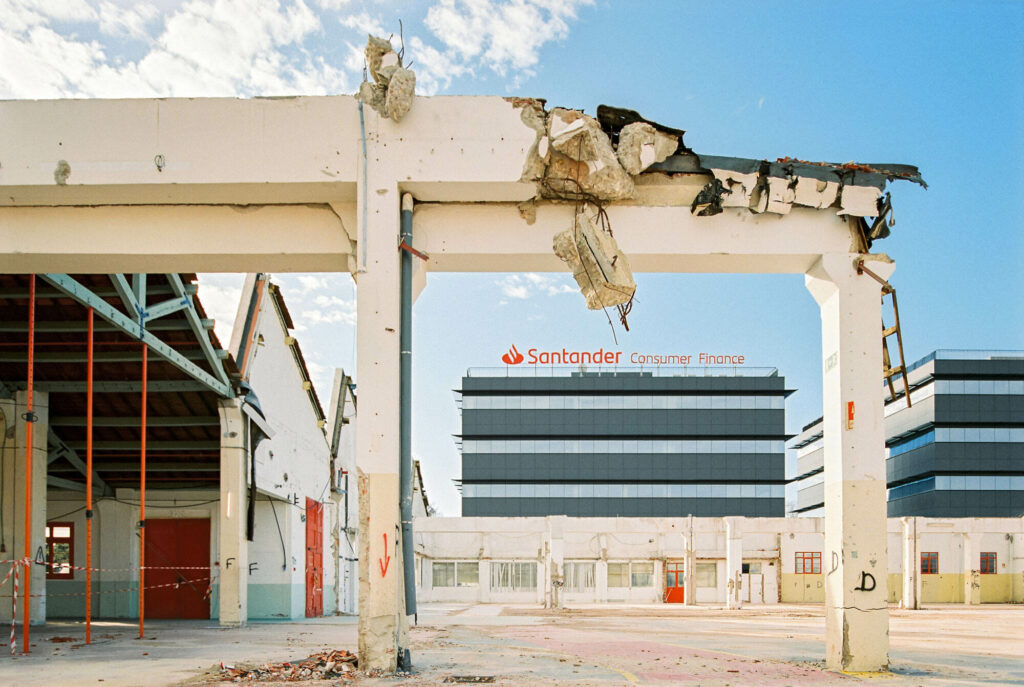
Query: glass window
pixel 707 574
pixel 808 563
pixel 444 573
pixel 467 574
pixel 579 576
pixel 929 562
pixel 642 574
pixel 513 576
pixel 988 563
pixel 60 550
pixel 618 575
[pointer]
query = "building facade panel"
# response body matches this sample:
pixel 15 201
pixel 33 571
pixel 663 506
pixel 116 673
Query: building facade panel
pixel 957 452
pixel 623 443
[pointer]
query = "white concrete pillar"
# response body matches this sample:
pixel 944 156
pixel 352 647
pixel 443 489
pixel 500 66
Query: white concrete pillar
pixel 971 568
pixel 911 566
pixel 14 501
pixel 1017 563
pixel 690 582
pixel 854 560
pixel 485 580
pixel 556 532
pixel 383 624
pixel 234 549
pixel 734 562
pixel 601 581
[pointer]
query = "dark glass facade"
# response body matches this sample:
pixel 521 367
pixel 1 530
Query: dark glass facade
pixel 957 452
pixel 623 444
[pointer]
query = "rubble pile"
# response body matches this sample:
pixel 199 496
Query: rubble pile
pixel 391 90
pixel 325 665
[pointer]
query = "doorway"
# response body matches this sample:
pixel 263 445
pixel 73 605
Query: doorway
pixel 178 583
pixel 675 582
pixel 314 558
pixel 753 583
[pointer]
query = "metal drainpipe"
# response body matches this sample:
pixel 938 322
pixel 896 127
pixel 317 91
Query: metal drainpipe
pixel 405 414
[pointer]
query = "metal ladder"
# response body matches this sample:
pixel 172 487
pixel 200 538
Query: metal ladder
pixel 888 371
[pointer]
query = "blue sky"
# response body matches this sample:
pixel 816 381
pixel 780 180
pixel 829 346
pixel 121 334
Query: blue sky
pixel 939 85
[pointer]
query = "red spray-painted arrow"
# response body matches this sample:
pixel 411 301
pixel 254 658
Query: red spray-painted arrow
pixel 386 561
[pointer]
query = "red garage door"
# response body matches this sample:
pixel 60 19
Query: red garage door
pixel 178 545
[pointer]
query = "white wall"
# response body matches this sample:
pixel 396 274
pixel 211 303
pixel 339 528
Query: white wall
pixel 772 542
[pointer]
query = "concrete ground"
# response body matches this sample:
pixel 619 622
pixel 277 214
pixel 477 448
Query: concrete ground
pixel 522 645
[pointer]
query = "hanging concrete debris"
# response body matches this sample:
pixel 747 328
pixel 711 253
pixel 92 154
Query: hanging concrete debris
pixel 391 92
pixel 641 145
pixel 598 266
pixel 775 187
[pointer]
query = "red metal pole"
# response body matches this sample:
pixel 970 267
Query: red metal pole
pixel 88 489
pixel 29 424
pixel 142 501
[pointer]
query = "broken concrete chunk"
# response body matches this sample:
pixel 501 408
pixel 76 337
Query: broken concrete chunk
pixel 861 201
pixel 400 93
pixel 376 49
pixel 815 193
pixel 582 159
pixel 374 95
pixel 737 187
pixel 641 145
pixel 391 92
pixel 600 269
pixel 781 193
pixel 533 116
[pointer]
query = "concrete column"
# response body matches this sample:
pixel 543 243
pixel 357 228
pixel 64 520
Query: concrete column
pixel 485 580
pixel 1017 563
pixel 734 562
pixel 690 583
pixel 14 500
pixel 911 566
pixel 601 581
pixel 234 549
pixel 383 624
pixel 971 568
pixel 854 560
pixel 556 532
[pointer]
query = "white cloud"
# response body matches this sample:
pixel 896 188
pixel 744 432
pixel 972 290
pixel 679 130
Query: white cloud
pixel 505 36
pixel 365 24
pixel 220 295
pixel 218 48
pixel 130 21
pixel 532 284
pixel 80 48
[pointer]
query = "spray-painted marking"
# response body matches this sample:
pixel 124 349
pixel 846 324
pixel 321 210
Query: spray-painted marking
pixel 386 561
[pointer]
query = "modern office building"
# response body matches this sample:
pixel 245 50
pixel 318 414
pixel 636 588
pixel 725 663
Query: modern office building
pixel 958 451
pixel 673 442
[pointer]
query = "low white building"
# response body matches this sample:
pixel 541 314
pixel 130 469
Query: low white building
pixel 559 560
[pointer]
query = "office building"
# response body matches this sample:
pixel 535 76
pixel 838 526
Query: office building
pixel 685 441
pixel 958 451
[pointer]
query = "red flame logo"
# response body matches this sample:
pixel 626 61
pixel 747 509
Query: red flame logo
pixel 513 357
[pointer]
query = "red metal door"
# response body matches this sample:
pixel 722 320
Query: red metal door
pixel 675 583
pixel 314 558
pixel 170 544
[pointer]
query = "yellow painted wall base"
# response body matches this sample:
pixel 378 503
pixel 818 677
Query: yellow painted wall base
pixel 802 588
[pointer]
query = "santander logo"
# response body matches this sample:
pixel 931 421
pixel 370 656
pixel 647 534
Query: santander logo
pixel 513 357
